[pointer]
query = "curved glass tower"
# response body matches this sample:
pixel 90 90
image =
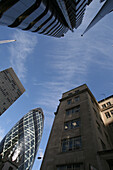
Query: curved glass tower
pixel 20 145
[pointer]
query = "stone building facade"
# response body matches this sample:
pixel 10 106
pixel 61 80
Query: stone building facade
pixel 10 89
pixel 79 139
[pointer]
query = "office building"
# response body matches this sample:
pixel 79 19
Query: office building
pixel 79 139
pixel 19 147
pixel 10 89
pixel 105 9
pixel 48 17
pixel 106 112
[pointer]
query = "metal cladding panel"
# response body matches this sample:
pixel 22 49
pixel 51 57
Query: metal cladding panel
pixel 44 24
pixel 9 16
pixel 57 26
pixel 52 28
pixel 32 16
pixel 48 25
pixel 62 32
pixel 20 145
pixel 54 21
pixel 41 21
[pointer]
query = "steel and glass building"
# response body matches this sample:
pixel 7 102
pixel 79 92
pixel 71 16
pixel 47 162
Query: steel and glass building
pixel 48 17
pixel 19 147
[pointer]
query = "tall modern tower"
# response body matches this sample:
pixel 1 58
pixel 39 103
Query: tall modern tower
pixel 106 9
pixel 79 139
pixel 19 147
pixel 48 17
pixel 10 89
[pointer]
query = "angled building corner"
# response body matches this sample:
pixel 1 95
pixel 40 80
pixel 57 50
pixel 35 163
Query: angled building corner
pixel 105 9
pixel 10 89
pixel 79 136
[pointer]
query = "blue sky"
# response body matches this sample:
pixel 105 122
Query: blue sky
pixel 48 66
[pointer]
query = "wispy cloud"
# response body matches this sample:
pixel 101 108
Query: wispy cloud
pixel 2 131
pixel 21 50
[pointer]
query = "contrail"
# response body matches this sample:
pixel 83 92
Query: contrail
pixel 6 41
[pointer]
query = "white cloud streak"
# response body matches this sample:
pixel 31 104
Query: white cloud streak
pixel 2 132
pixel 21 50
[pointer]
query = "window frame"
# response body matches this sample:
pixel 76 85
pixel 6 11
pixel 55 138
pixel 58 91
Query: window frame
pixel 108 115
pixel 71 144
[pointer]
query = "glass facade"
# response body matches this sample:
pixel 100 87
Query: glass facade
pixel 48 17
pixel 20 145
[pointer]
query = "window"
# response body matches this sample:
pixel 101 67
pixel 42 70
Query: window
pixel 13 86
pixel 111 112
pixel 108 103
pixel 107 115
pixel 69 167
pixel 8 99
pixel 77 91
pixel 104 106
pixel 4 109
pixel 70 94
pixel 71 124
pixel 3 91
pixel 71 144
pixel 69 101
pixel 73 110
pixel 77 98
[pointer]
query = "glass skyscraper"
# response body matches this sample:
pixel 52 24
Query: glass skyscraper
pixel 20 145
pixel 48 17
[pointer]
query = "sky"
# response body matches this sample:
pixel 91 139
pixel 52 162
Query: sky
pixel 48 67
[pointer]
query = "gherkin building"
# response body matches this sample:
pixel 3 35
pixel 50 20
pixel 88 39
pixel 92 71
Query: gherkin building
pixel 19 147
